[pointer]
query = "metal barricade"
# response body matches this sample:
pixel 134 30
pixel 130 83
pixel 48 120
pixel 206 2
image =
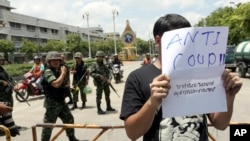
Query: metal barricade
pixel 65 126
pixel 6 131
pixel 92 126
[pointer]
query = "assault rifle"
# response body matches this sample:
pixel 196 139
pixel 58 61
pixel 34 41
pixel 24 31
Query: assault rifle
pixel 76 85
pixel 11 85
pixel 112 87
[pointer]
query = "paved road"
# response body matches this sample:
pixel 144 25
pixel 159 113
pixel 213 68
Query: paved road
pixel 27 116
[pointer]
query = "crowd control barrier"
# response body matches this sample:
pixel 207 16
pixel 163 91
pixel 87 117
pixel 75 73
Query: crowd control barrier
pixel 92 126
pixel 6 131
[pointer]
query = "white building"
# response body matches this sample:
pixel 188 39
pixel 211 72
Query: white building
pixel 15 27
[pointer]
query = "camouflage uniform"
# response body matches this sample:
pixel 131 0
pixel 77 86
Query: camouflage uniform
pixel 81 71
pixel 5 91
pixel 55 100
pixel 68 93
pixel 99 69
pixel 6 96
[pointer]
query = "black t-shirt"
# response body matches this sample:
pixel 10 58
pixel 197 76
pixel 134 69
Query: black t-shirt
pixel 137 92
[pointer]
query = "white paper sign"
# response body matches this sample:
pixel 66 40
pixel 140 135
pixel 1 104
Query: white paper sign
pixel 194 59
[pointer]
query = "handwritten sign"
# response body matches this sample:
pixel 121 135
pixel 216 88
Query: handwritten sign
pixel 194 59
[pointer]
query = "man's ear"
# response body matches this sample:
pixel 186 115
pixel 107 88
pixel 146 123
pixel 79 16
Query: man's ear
pixel 157 40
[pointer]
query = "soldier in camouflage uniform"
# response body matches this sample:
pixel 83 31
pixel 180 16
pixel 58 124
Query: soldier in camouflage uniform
pixel 68 93
pixel 55 81
pixel 7 98
pixel 80 78
pixel 101 75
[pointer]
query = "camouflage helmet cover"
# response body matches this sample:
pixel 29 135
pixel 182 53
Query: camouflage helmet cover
pixel 78 54
pixel 53 55
pixel 36 57
pixel 100 53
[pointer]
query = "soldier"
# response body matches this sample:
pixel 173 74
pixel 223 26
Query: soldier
pixel 6 98
pixel 68 93
pixel 55 81
pixel 80 79
pixel 101 75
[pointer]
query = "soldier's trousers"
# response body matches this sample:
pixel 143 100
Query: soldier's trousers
pixel 83 95
pixel 54 110
pixel 99 89
pixel 7 97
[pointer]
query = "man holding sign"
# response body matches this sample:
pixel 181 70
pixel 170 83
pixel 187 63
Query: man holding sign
pixel 144 106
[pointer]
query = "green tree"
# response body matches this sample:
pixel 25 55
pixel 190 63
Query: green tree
pixel 55 45
pixel 6 46
pixel 75 43
pixel 142 46
pixel 237 19
pixel 29 48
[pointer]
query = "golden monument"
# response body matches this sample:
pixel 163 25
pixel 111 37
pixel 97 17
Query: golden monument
pixel 128 39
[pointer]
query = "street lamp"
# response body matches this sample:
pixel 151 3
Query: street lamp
pixel 87 14
pixel 114 11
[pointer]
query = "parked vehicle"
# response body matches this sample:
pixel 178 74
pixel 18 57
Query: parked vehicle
pixel 230 62
pixel 242 58
pixel 117 73
pixel 27 89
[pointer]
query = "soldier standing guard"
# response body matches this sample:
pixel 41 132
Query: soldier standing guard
pixel 101 75
pixel 80 79
pixel 6 98
pixel 55 81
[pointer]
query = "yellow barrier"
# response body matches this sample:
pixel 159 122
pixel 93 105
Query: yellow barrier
pixel 91 126
pixel 65 126
pixel 6 131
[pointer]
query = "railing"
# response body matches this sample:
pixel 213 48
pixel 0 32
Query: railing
pixel 65 126
pixel 6 131
pixel 91 126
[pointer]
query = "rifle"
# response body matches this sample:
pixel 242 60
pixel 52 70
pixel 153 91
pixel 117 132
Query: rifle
pixel 114 89
pixel 105 80
pixel 11 85
pixel 76 86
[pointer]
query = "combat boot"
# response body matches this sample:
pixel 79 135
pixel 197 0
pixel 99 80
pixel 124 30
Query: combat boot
pixel 74 106
pixel 99 110
pixel 14 132
pixel 83 105
pixel 109 108
pixel 73 138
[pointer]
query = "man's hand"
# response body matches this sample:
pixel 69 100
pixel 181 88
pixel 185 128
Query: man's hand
pixel 4 108
pixel 63 70
pixel 73 71
pixel 101 77
pixel 5 83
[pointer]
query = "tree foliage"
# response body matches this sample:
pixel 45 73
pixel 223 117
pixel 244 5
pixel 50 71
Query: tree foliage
pixel 29 48
pixel 237 19
pixel 55 45
pixel 6 46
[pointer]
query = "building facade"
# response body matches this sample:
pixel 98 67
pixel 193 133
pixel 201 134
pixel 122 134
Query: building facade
pixel 15 27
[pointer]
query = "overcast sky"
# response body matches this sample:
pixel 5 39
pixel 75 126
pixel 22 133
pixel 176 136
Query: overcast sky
pixel 141 13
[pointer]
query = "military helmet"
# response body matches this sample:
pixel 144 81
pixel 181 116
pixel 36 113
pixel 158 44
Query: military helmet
pixel 78 54
pixel 53 55
pixel 36 57
pixel 1 56
pixel 100 53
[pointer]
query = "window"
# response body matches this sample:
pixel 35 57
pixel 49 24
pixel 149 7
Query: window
pixel 31 28
pixel 15 25
pixel 43 30
pixel 54 31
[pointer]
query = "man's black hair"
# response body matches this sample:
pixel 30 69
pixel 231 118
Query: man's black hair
pixel 169 22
